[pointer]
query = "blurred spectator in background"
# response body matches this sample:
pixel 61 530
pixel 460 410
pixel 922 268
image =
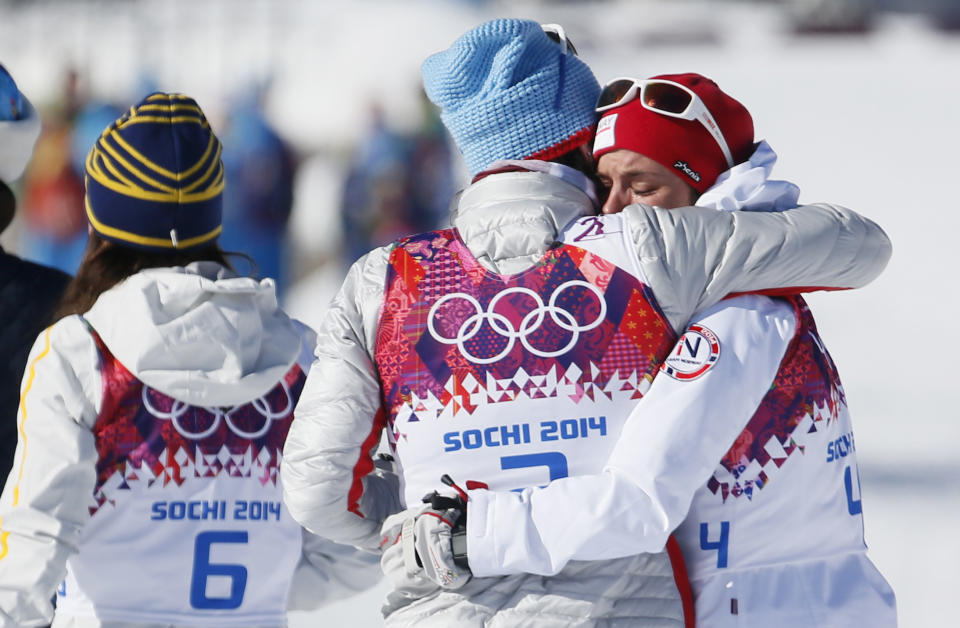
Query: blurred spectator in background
pixel 431 172
pixel 373 193
pixel 258 199
pixel 55 229
pixel 28 292
pixel 396 184
pixel 826 17
pixel 91 119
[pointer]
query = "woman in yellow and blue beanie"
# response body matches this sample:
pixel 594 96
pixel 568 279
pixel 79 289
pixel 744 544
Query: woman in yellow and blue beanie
pixel 154 196
pixel 154 178
pixel 155 410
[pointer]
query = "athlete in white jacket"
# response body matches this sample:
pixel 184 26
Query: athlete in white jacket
pixel 145 488
pixel 743 445
pixel 531 381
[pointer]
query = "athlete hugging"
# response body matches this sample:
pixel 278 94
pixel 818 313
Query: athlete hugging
pixel 616 425
pixel 603 397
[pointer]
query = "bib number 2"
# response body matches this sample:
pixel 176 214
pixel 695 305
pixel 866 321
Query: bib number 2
pixel 204 570
pixel 554 461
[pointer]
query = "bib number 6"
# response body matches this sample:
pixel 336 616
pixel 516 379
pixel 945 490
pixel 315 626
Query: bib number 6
pixel 203 569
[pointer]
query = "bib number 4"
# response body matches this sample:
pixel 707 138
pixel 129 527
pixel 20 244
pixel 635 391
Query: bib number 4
pixel 720 545
pixel 218 574
pixel 854 506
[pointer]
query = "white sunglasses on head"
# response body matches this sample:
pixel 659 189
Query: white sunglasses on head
pixel 558 35
pixel 666 98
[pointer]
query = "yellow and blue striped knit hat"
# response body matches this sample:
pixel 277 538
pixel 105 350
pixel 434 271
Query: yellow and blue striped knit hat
pixel 506 90
pixel 155 178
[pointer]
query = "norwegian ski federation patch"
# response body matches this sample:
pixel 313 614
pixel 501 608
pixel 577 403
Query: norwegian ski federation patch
pixel 697 351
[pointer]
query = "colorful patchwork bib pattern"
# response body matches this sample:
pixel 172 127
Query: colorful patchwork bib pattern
pixel 806 395
pixel 146 438
pixel 454 336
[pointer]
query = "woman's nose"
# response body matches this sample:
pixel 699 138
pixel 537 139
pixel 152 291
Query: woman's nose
pixel 617 199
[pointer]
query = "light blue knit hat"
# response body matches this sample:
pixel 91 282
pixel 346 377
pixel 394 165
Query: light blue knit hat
pixel 507 91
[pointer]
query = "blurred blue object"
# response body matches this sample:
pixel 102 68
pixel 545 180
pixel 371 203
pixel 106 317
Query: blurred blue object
pixel 397 184
pixel 258 197
pixel 53 196
pixel 11 101
pixel 90 122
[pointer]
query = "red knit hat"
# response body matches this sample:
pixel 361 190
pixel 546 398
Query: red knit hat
pixel 683 146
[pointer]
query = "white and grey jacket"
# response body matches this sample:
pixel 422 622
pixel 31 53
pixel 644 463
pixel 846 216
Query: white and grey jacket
pixel 211 341
pixel 719 452
pixel 691 258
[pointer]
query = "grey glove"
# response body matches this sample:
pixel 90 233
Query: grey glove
pixel 432 541
pixel 426 541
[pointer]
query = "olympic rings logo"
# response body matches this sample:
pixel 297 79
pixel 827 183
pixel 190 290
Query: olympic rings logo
pixel 530 323
pixel 179 408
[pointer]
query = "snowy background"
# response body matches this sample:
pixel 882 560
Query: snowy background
pixel 866 120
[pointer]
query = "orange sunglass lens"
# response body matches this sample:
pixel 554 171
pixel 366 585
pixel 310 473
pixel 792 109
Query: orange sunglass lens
pixel 664 97
pixel 614 92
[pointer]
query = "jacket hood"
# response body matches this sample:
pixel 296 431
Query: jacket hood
pixel 748 186
pixel 509 220
pixel 199 333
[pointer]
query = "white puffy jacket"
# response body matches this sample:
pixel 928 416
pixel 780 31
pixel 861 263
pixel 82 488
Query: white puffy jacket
pixel 690 257
pixel 211 341
pixel 719 452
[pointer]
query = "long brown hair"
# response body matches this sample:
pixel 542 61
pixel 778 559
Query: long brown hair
pixel 106 264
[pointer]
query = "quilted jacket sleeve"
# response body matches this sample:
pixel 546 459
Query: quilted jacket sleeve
pixel 330 483
pixel 693 257
pixel 44 504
